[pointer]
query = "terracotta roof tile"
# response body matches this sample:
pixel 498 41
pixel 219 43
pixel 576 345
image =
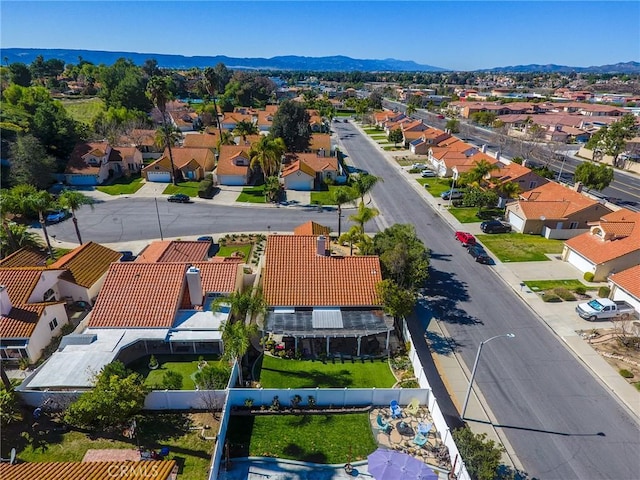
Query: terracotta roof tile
pixel 550 210
pixel 143 470
pixel 320 140
pixel 226 162
pixel 298 165
pixel 87 263
pixel 628 280
pixel 218 277
pixel 21 321
pixel 174 251
pixel 140 295
pixel 201 140
pixel 296 276
pixel 25 257
pixel 554 192
pixel 20 283
pixel 311 228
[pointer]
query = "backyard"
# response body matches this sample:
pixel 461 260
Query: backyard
pixel 309 438
pixel 49 442
pixel 122 185
pixel 185 365
pixel 334 373
pixel 83 110
pixel 518 247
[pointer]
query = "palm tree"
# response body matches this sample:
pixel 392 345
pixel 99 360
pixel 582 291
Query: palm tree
pixel 363 183
pixel 167 135
pixel 245 128
pixel 340 196
pixel 14 236
pixel 211 80
pixel 272 188
pixel 159 93
pixel 40 202
pixel 352 236
pixel 508 189
pixel 364 215
pixel 478 174
pixel 267 153
pixel 236 339
pixel 73 200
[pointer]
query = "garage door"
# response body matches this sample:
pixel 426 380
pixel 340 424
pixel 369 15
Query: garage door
pixel 516 222
pixel 161 177
pixel 579 262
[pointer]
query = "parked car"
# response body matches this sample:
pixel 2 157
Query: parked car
pixel 441 117
pixel 495 226
pixel 56 216
pixel 179 198
pixel 127 256
pixel 452 194
pixel 428 174
pixel 604 309
pixel 79 306
pixel 418 166
pixel 465 238
pixel 205 239
pixel 480 255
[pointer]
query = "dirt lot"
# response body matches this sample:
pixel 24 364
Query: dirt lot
pixel 606 343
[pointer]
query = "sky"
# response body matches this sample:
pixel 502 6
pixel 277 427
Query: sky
pixel 451 34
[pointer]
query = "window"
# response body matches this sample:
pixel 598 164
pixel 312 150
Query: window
pixel 573 225
pixel 53 324
pixel 49 296
pixel 533 184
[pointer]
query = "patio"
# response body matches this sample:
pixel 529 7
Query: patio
pixel 405 429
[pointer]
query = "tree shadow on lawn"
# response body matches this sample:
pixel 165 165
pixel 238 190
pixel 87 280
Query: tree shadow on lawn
pixel 315 378
pixel 444 293
pixel 295 451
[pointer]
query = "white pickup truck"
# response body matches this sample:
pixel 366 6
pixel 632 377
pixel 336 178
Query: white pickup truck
pixel 604 308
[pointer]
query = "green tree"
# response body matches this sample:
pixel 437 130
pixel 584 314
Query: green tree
pixel 159 93
pixel 363 216
pixel 226 138
pixel 480 173
pixel 20 74
pixel 117 397
pixel 245 128
pixel 403 256
pixel 236 338
pixel 212 87
pixel 340 196
pixel 73 200
pixel 411 109
pixel 482 457
pixel 30 163
pixel 291 123
pixel 212 377
pixel 477 197
pixel 9 405
pixel 363 183
pixel 351 236
pixel 267 153
pixel 508 189
pixel 241 304
pixel 397 301
pixel 272 188
pixel 453 125
pixel 612 140
pixel 594 176
pixel 171 380
pixel 14 236
pixel 396 136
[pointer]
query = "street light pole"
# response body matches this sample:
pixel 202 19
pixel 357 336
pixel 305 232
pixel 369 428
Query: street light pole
pixel 475 367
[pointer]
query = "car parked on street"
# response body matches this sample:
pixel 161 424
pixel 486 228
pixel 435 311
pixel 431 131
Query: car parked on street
pixel 465 238
pixel 453 194
pixel 495 226
pixel 56 216
pixel 479 254
pixel 179 198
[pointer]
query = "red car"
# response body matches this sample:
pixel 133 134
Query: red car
pixel 465 238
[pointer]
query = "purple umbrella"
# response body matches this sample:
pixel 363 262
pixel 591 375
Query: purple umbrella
pixel 392 465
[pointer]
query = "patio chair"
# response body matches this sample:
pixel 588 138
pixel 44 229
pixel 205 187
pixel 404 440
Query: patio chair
pixel 413 407
pixel 420 439
pixel 396 411
pixel 383 425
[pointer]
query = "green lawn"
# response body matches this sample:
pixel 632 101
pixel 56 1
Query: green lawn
pixel 465 215
pixel 185 365
pixel 188 188
pixel 309 438
pixel 518 247
pixel 324 197
pixel 156 430
pixel 541 285
pixel 83 110
pixel 280 373
pixel 252 195
pixel 227 250
pixel 373 131
pixel 437 185
pixel 122 186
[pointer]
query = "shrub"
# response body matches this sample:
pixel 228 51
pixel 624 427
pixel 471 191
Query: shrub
pixel 409 384
pixel 588 276
pixel 171 380
pixel 481 456
pixel 603 292
pixel 565 294
pixel 626 373
pixel 212 377
pixel 551 298
pixel 580 290
pixel 248 402
pixel 153 363
pixel 637 385
pixel 205 189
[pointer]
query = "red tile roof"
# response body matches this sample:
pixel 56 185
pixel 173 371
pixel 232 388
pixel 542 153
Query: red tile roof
pixel 20 283
pixel 226 162
pixel 25 257
pixel 296 276
pixel 87 263
pixel 311 228
pixel 21 321
pixel 628 280
pixel 143 470
pixel 218 277
pixel 174 251
pixel 554 192
pixel 298 166
pixel 202 140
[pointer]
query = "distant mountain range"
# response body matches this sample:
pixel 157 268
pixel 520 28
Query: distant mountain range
pixel 289 62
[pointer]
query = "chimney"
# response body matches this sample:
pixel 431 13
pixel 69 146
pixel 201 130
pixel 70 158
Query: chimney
pixel 578 187
pixel 194 282
pixel 5 301
pixel 484 148
pixel 321 246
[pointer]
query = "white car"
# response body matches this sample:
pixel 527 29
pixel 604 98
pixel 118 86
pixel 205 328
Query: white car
pixel 417 166
pixel 428 174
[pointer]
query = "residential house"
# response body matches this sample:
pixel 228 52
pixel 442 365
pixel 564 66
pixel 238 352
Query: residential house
pixel 320 144
pixel 554 210
pixel 233 165
pixel 312 228
pixel 427 139
pixel 92 163
pixel 192 164
pixel 230 120
pixel 512 172
pixel 611 245
pixel 209 140
pixel 185 120
pixel 144 140
pixel 144 308
pixel 625 285
pixel 175 251
pixel 448 153
pixel 309 171
pixel 32 311
pixel 322 302
pixel 381 118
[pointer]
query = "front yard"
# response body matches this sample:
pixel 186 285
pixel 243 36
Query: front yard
pixel 122 186
pixel 252 195
pixel 435 186
pixel 471 214
pixel 187 188
pixel 324 197
pixel 283 373
pixel 309 438
pixel 518 247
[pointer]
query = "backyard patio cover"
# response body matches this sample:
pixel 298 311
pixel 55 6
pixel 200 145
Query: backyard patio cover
pixel 327 322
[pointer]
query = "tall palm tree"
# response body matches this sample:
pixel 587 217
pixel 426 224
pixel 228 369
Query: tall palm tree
pixel 40 202
pixel 351 236
pixel 166 136
pixel 340 196
pixel 226 138
pixel 211 81
pixel 365 214
pixel 508 189
pixel 245 128
pixel 73 200
pixel 159 93
pixel 478 174
pixel 363 183
pixel 14 236
pixel 267 153
pixel 236 339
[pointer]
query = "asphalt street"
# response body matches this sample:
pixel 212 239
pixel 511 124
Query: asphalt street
pixel 556 415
